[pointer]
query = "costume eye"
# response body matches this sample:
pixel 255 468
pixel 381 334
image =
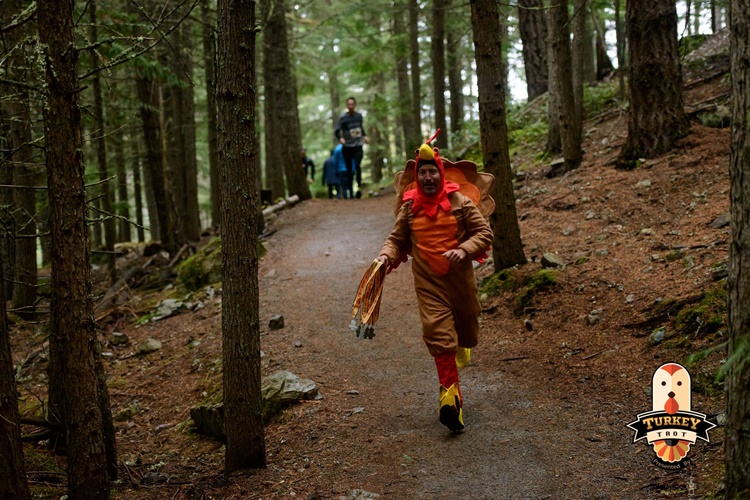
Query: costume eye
pixel 679 383
pixel 663 383
pixel 436 150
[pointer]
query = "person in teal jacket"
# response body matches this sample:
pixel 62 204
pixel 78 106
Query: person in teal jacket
pixel 344 178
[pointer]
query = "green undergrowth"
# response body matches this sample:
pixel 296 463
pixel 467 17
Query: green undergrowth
pixel 509 280
pixel 543 279
pixel 705 317
pixel 504 280
pixel 204 268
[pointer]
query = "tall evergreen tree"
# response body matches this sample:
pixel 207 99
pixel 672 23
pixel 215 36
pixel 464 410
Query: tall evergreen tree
pixel 554 143
pixel 405 108
pixel 107 192
pixel 283 137
pixel 209 53
pixel 12 477
pixel 414 60
pixel 437 60
pixel 507 249
pixel 657 117
pixel 570 130
pixel 455 81
pixel 532 25
pixel 160 218
pixel 21 169
pixel 737 435
pixel 235 95
pixel 73 335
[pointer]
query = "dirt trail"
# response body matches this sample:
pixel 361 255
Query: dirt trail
pixel 396 446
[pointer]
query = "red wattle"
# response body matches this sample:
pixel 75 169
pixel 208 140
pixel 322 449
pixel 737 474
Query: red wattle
pixel 671 406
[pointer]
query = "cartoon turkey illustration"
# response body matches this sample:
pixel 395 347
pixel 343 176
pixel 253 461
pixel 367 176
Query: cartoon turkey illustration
pixel 671 392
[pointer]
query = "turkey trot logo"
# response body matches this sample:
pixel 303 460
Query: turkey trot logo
pixel 671 427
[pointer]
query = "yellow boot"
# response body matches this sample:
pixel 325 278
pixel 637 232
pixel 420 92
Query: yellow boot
pixel 463 356
pixel 451 414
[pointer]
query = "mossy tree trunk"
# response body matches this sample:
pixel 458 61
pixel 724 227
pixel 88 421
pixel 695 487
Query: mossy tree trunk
pixel 235 94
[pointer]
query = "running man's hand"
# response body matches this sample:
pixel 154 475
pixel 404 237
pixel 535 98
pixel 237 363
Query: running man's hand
pixel 455 256
pixel 384 259
pixel 367 140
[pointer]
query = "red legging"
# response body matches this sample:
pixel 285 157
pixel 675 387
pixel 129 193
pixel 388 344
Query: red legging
pixel 447 370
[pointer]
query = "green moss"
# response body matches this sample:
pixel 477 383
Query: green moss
pixel 688 44
pixel 500 281
pixel 706 383
pixel 203 268
pixel 705 317
pixel 533 284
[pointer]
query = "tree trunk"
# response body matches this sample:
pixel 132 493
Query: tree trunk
pixel 240 306
pixel 485 22
pixel 697 16
pixel 283 106
pixel 209 53
pixel 137 190
pixel 414 59
pixel 107 193
pixel 405 108
pixel 271 82
pixel 8 236
pixel 737 434
pixel 580 40
pixel 72 326
pixel 604 65
pixel 172 118
pixel 554 143
pixel 123 201
pixel 657 117
pixel 715 16
pixel 455 82
pixel 570 131
pixel 21 169
pixel 589 54
pixel 12 477
pixel 620 41
pixel 45 239
pixel 437 58
pixel 154 167
pixel 532 24
pixel 333 94
pixel 379 148
pixel 192 226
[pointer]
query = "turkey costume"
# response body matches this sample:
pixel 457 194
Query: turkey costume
pixel 427 227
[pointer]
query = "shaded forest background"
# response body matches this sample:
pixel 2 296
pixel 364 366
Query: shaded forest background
pixel 144 74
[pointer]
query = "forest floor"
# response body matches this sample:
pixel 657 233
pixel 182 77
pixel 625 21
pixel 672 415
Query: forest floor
pixel 549 390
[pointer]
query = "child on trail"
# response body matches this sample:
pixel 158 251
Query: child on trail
pixel 343 172
pixel 443 230
pixel 331 177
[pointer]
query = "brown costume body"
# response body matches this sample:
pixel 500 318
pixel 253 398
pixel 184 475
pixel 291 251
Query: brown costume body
pixel 447 293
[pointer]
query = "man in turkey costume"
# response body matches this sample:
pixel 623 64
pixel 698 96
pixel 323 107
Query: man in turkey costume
pixel 443 230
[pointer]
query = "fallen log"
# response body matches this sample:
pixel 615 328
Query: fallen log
pixel 285 203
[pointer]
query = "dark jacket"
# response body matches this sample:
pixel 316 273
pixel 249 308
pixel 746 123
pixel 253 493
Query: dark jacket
pixel 330 172
pixel 351 128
